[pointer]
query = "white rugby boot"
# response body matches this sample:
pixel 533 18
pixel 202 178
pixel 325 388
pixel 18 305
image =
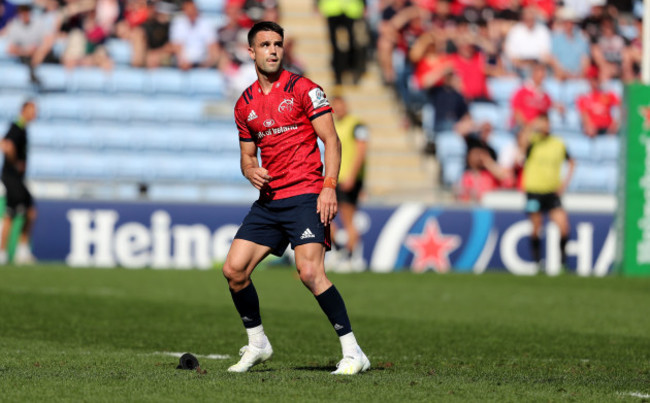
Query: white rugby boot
pixel 251 356
pixel 352 365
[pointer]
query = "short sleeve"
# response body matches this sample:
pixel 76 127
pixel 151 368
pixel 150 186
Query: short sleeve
pixel 361 132
pixel 313 99
pixel 242 127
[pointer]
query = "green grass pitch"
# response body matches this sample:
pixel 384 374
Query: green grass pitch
pixel 96 335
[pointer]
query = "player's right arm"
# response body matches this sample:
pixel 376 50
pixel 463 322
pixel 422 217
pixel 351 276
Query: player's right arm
pixel 250 167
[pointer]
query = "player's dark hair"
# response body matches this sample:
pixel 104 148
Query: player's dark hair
pixel 264 26
pixel 543 116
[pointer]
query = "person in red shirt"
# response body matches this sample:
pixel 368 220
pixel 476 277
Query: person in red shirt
pixel 530 101
pixel 283 114
pixel 469 65
pixel 596 108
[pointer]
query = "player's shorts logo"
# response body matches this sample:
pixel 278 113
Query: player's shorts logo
pixel 286 105
pixel 269 122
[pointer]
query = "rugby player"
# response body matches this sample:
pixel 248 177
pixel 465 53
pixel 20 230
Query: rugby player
pixel 18 198
pixel 543 182
pixel 282 114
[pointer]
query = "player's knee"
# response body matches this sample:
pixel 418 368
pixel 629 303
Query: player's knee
pixel 309 273
pixel 235 276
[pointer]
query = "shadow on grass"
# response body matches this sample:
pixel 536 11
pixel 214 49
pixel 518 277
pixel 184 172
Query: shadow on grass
pixel 323 368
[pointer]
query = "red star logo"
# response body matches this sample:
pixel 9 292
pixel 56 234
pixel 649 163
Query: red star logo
pixel 431 248
pixel 644 111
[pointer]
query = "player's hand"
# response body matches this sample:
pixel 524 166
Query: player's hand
pixel 327 205
pixel 258 177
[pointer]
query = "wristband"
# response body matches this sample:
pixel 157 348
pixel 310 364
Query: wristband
pixel 329 182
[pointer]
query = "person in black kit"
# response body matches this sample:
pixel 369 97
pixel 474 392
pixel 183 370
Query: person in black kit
pixel 19 199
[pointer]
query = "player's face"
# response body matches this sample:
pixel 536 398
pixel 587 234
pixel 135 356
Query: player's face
pixel 542 125
pixel 29 113
pixel 267 52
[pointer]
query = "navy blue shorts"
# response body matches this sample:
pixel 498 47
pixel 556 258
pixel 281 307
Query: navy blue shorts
pixel 276 223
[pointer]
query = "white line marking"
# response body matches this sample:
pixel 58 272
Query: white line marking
pixel 639 395
pixel 209 356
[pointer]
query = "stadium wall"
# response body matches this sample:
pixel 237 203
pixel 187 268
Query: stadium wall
pixel 408 237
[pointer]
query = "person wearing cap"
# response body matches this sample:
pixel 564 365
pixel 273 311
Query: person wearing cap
pixel 596 108
pixel 569 47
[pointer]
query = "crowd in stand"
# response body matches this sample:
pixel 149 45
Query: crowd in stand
pixel 441 53
pixel 170 33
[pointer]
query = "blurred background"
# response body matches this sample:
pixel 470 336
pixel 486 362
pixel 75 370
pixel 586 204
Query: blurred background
pixel 135 115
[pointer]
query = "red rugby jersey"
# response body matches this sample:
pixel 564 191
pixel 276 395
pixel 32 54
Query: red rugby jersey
pixel 280 125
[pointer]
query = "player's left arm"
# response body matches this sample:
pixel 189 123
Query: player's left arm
pixel 361 140
pixel 569 174
pixel 327 205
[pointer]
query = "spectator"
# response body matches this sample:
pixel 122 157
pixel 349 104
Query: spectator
pixel 570 47
pixel 470 66
pixel 400 28
pixel 609 53
pixel 151 46
pixel 544 9
pixel 591 23
pixel 30 38
pixel 347 36
pixel 482 173
pixel 194 39
pixel 85 46
pixel 527 41
pixel 233 37
pixel 596 108
pixel 289 61
pixel 530 101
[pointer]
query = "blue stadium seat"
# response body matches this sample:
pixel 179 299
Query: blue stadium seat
pixel 133 167
pixel 572 90
pixel 502 89
pixel 231 194
pixel 452 171
pixel 161 138
pixel 179 109
pixel 501 140
pixel 129 80
pixel 177 167
pixel 5 57
pixel 144 110
pixel 555 89
pixel 75 136
pixel 169 81
pixel 114 137
pixel 88 79
pixel 62 107
pixel 44 135
pixel 106 109
pixel 15 77
pixel 206 83
pixel 220 169
pixel 579 147
pixel 10 105
pixel 45 164
pixel 120 51
pixel 597 178
pixel 53 77
pixel 450 146
pixel 92 166
pixel 606 148
pixel 570 121
pixel 487 112
pixel 210 6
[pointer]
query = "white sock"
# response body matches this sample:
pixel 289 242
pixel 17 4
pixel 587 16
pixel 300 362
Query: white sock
pixel 23 249
pixel 349 345
pixel 256 337
pixel 3 256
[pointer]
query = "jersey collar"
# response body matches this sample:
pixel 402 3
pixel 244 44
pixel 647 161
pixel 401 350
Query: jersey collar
pixel 280 83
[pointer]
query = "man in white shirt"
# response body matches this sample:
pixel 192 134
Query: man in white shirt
pixel 527 41
pixel 194 39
